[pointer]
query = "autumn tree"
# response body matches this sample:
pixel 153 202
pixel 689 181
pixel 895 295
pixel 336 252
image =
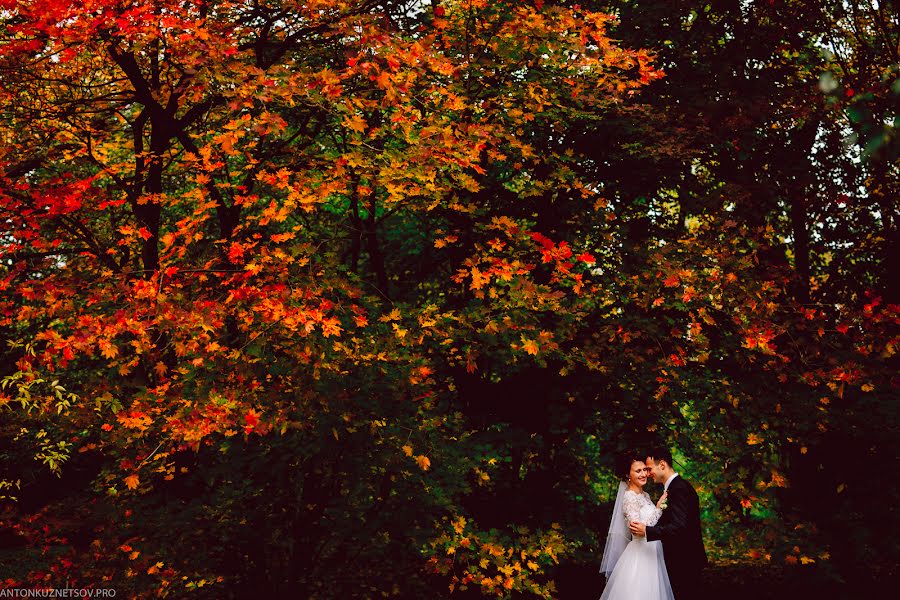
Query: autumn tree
pixel 306 285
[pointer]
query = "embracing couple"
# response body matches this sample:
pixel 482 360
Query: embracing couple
pixel 653 551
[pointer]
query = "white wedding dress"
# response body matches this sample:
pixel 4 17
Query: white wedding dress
pixel 640 571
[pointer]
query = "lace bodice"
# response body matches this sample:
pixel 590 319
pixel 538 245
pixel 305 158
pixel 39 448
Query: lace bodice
pixel 639 507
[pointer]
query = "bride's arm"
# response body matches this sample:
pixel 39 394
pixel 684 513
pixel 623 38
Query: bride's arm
pixel 631 504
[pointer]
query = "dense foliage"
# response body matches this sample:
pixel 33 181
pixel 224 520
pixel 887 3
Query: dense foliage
pixel 362 298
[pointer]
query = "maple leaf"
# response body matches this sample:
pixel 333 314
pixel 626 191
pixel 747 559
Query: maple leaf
pixel 108 350
pixel 356 123
pixel 424 462
pixel 251 420
pixel 479 279
pixel 235 252
pixel 132 481
pixel 394 315
pixel 331 326
pixel 530 346
pixel 543 240
pixel 778 480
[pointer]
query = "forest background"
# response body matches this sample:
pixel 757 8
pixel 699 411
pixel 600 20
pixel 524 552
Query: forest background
pixel 363 298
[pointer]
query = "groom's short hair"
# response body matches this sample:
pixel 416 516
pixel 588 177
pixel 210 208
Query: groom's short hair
pixel 659 453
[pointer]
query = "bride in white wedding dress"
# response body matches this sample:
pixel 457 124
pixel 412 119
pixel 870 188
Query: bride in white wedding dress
pixel 634 568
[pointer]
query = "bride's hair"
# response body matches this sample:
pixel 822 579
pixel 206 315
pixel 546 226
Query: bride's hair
pixel 624 462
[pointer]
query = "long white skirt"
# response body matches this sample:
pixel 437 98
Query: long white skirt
pixel 639 574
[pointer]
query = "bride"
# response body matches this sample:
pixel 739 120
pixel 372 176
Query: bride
pixel 634 568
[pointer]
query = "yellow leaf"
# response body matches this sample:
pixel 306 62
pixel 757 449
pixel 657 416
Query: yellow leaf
pixel 132 481
pixel 753 439
pixel 407 450
pixel 459 524
pixel 134 555
pixel 356 123
pixel 108 350
pixel 868 387
pixel 394 315
pixel 423 462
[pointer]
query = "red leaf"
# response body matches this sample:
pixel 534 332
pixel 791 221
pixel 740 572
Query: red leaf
pixel 672 281
pixel 235 252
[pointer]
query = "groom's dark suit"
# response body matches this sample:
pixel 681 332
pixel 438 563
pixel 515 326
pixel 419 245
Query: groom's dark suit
pixel 679 530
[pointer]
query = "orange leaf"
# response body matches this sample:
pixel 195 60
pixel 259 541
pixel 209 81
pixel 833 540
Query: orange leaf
pixel 160 369
pixel 478 279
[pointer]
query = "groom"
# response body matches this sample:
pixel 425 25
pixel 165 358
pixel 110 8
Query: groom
pixel 678 528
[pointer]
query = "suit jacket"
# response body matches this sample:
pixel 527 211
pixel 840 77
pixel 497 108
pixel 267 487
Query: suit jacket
pixel 679 530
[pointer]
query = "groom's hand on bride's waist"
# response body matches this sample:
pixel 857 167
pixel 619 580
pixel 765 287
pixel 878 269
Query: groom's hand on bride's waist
pixel 637 528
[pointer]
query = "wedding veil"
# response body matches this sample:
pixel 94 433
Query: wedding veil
pixel 618 536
